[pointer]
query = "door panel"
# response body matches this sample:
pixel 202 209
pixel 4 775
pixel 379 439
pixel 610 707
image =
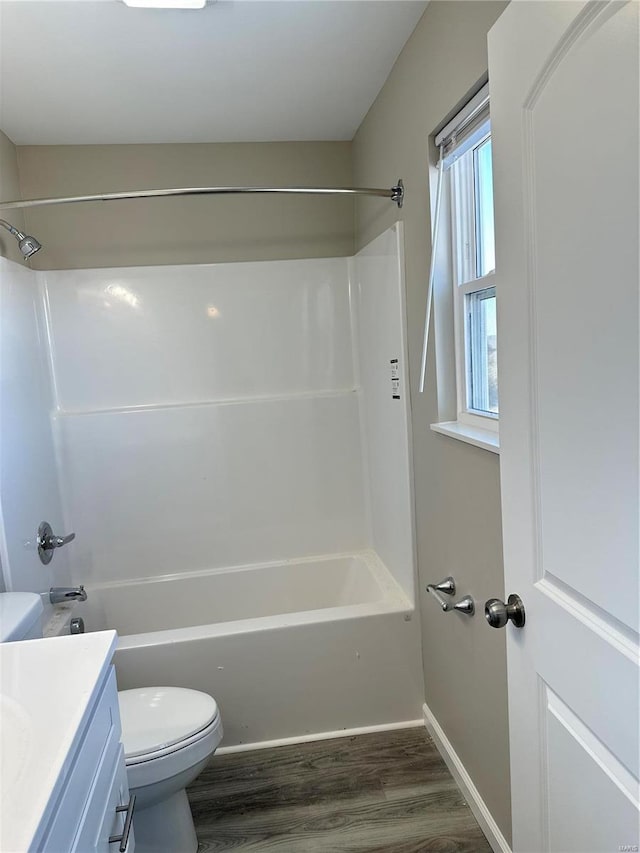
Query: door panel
pixel 574 751
pixel 582 245
pixel 564 105
pixel 593 667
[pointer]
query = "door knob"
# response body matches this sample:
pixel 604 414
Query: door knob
pixel 498 613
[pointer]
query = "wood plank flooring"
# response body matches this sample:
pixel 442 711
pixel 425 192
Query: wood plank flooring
pixel 378 793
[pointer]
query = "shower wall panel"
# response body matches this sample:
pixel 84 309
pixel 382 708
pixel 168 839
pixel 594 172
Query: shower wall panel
pixel 207 416
pixel 29 488
pixel 193 487
pixel 153 336
pixel 378 305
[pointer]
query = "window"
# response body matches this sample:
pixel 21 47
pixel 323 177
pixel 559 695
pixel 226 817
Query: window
pixel 463 258
pixel 473 256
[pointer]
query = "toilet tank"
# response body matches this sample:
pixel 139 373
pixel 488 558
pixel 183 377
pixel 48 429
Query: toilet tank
pixel 20 616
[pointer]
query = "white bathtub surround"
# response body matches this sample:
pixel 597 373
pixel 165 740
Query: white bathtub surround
pixel 212 485
pixel 377 274
pixel 289 649
pixel 234 456
pixel 257 596
pixel 29 490
pixel 293 680
pixel 223 402
pixel 275 424
pixel 164 336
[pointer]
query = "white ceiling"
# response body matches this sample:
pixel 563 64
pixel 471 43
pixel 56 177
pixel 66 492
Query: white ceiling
pixel 236 71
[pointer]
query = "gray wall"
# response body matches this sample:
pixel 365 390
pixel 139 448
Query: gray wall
pixel 456 485
pixel 186 230
pixel 9 189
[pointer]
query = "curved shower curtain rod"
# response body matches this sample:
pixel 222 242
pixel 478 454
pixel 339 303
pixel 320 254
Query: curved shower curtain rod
pixel 396 194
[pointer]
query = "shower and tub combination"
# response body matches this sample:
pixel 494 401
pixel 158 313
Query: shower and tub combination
pixel 232 451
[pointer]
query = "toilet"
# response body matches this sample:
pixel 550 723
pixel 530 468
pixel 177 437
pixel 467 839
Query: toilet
pixel 168 734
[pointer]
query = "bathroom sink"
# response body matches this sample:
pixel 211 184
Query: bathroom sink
pixel 16 738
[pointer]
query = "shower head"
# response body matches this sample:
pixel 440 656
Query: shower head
pixel 27 245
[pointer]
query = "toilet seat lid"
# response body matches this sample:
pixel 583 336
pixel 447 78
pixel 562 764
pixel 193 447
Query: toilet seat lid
pixel 154 718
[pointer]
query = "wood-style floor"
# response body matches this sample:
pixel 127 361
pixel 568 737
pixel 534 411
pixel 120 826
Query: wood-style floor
pixel 376 793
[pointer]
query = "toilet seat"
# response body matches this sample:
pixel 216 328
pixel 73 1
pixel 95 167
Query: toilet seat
pixel 160 720
pixel 157 768
pixel 141 758
pixel 168 733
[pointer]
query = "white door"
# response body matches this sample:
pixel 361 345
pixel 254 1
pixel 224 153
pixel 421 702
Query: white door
pixel 564 115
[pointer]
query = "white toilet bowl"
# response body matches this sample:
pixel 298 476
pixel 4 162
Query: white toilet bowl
pixel 169 734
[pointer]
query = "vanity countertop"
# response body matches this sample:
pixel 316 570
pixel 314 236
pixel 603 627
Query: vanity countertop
pixel 47 689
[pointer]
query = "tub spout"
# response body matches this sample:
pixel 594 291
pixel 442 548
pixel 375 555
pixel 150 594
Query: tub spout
pixel 60 594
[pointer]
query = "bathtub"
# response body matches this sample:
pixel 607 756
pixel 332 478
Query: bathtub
pixel 293 650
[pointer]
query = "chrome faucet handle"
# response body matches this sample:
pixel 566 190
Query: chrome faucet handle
pixel 48 541
pixel 59 541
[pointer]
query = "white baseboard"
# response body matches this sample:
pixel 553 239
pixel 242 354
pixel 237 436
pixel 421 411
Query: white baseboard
pixel 290 741
pixel 477 805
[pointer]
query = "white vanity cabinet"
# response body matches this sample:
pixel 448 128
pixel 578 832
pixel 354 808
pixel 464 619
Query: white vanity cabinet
pixel 92 806
pixel 68 758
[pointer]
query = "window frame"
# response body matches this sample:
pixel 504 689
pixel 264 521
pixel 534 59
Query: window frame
pixel 462 191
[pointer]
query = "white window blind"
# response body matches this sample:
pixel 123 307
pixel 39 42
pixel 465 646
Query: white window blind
pixel 466 128
pixel 460 134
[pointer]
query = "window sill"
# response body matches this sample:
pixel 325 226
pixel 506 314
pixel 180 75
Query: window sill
pixel 485 438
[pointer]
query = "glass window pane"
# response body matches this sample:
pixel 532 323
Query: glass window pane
pixel 482 361
pixel 485 243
